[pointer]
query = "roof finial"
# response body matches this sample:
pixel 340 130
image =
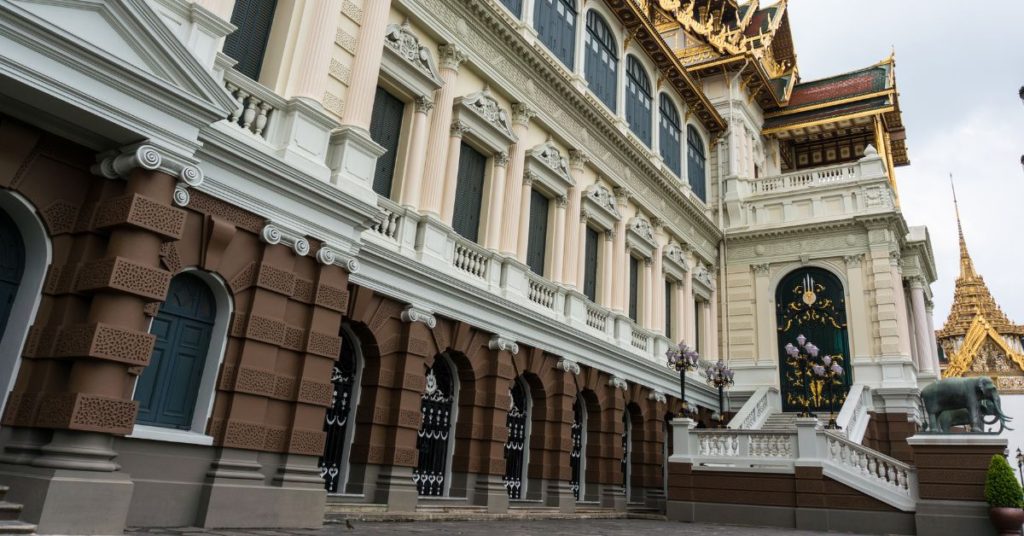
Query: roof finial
pixel 966 265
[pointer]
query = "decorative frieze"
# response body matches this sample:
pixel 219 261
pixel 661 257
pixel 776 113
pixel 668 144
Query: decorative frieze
pixel 674 261
pixel 503 344
pixel 640 236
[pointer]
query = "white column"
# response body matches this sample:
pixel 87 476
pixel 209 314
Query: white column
pixel 451 172
pixel 581 250
pixel 524 217
pixel 763 295
pixel 620 266
pixel 608 298
pixel 679 316
pixel 440 131
pixel 521 115
pixel 647 294
pixel 859 323
pixel 899 296
pixel 557 255
pixel 365 65
pixel 686 302
pixel 574 263
pixel 412 181
pixel 924 344
pixel 937 367
pixel 657 322
pixel 712 323
pixel 496 202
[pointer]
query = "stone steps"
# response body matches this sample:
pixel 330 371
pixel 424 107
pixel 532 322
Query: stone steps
pixel 10 514
pixel 780 422
pixel 341 512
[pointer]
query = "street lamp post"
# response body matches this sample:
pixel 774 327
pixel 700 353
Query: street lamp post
pixel 829 371
pixel 720 376
pixel 682 358
pixel 1020 465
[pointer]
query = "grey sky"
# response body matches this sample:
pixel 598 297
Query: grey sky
pixel 959 66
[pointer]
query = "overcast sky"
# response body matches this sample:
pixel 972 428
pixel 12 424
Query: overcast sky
pixel 958 70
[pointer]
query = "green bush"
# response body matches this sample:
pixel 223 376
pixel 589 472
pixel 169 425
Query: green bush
pixel 1001 487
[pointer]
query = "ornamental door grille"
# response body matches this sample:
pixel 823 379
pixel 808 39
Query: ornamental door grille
pixel 627 443
pixel 12 265
pixel 339 414
pixel 576 454
pixel 168 388
pixel 811 302
pixel 515 446
pixel 435 431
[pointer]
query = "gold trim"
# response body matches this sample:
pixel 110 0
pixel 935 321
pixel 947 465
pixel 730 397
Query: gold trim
pixel 836 119
pixel 790 111
pixel 980 330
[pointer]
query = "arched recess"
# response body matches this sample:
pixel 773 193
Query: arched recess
pixel 593 428
pixel 176 390
pixel 339 420
pixel 435 438
pixel 517 445
pixel 21 231
pixel 577 456
pixel 811 301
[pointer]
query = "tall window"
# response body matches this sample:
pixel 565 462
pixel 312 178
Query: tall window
pixel 555 22
pixel 638 99
pixel 590 266
pixel 536 247
pixel 469 192
pixel 668 309
pixel 515 6
pixel 695 162
pixel 602 61
pixel 248 43
pixel 670 135
pixel 385 129
pixel 168 388
pixel 696 326
pixel 634 283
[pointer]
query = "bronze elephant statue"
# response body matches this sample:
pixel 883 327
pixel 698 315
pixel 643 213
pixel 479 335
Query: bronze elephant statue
pixel 963 401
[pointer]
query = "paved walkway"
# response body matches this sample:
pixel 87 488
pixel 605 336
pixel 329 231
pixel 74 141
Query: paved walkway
pixel 559 527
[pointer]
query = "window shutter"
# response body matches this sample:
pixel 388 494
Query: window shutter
pixel 668 309
pixel 385 129
pixel 696 326
pixel 248 43
pixel 515 6
pixel 634 268
pixel 602 61
pixel 555 22
pixel 590 266
pixel 536 247
pixel 638 100
pixel 695 162
pixel 469 192
pixel 669 135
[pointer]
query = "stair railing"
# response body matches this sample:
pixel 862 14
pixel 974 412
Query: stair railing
pixel 853 418
pixel 755 411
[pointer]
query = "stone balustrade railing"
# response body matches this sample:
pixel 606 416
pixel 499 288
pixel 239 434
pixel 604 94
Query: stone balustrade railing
pixel 805 178
pixel 756 409
pixel 640 339
pixel 541 291
pixel 390 225
pixel 470 258
pixel 597 317
pixel 257 104
pixel 853 418
pixel 887 479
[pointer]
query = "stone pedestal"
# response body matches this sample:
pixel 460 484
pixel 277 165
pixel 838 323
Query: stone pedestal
pixel 613 497
pixel 490 491
pixel 396 489
pixel 559 495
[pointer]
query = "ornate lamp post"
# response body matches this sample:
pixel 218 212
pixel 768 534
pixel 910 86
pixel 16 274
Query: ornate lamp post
pixel 829 371
pixel 1020 464
pixel 721 377
pixel 682 358
pixel 800 361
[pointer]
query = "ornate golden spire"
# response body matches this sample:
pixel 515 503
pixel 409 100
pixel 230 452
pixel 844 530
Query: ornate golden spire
pixel 966 264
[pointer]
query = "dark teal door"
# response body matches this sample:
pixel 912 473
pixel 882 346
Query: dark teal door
pixel 168 388
pixel 12 264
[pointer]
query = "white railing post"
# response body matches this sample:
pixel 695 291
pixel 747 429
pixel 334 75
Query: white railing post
pixel 807 439
pixel 684 444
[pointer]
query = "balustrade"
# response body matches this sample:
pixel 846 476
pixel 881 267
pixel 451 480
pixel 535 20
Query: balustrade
pixel 804 179
pixel 257 104
pixel 597 317
pixel 541 292
pixel 471 258
pixel 389 226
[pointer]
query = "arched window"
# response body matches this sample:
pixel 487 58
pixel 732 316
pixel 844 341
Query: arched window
pixel 811 302
pixel 555 22
pixel 248 43
pixel 344 379
pixel 517 445
pixel 602 60
pixel 433 438
pixel 638 99
pixel 670 135
pixel 695 162
pixel 12 265
pixel 167 390
pixel 577 459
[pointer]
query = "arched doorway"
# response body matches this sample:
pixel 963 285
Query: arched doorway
pixel 516 446
pixel 577 459
pixel 627 451
pixel 168 388
pixel 811 302
pixel 433 441
pixel 12 266
pixel 344 379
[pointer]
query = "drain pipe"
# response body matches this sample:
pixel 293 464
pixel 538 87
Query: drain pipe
pixel 723 304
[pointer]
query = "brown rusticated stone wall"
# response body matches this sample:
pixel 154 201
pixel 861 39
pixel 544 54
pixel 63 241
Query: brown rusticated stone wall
pixel 116 246
pixel 888 432
pixel 807 488
pixel 91 330
pixel 953 472
pixel 553 393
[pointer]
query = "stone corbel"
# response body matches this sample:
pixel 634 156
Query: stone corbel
pixel 413 313
pixel 120 163
pixel 503 344
pixel 275 234
pixel 657 396
pixel 618 383
pixel 329 255
pixel 569 366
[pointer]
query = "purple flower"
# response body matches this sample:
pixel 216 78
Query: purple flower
pixel 801 340
pixel 812 350
pixel 827 360
pixel 818 370
pixel 837 369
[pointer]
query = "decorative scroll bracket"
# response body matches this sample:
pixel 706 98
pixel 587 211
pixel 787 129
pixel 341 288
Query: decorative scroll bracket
pixel 413 313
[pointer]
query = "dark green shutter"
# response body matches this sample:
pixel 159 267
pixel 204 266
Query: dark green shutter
pixel 386 129
pixel 469 192
pixel 634 268
pixel 168 388
pixel 248 43
pixel 695 162
pixel 696 325
pixel 668 309
pixel 638 99
pixel 515 6
pixel 536 248
pixel 590 266
pixel 555 22
pixel 669 137
pixel 601 59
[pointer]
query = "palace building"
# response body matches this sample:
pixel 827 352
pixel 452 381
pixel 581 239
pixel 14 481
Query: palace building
pixel 260 259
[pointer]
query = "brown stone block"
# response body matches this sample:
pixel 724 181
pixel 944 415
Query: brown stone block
pixel 810 486
pixel 284 387
pixel 810 500
pixel 294 338
pixel 255 381
pixel 123 275
pixel 953 492
pixel 323 344
pixel 275 280
pixel 331 297
pixel 310 442
pixel 85 412
pixel 244 279
pixel 244 435
pixel 107 342
pixel 41 341
pixel 134 210
pixel 275 438
pixel 316 393
pixel 21 409
pixel 808 472
pixel 264 329
pixel 303 290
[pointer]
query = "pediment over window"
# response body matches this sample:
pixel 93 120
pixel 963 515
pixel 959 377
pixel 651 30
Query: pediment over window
pixel 674 261
pixel 486 120
pixel 702 280
pixel 599 206
pixel 408 61
pixel 546 165
pixel 640 236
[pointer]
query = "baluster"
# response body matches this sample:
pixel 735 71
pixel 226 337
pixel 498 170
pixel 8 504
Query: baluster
pixel 261 119
pixel 234 92
pixel 250 111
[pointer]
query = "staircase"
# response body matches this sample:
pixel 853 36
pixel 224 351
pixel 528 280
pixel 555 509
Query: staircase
pixel 780 422
pixel 9 516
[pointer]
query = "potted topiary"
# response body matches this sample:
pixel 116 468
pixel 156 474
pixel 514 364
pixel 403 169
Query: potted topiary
pixel 1004 497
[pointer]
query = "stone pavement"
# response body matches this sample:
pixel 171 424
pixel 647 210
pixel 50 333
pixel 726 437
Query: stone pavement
pixel 553 527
